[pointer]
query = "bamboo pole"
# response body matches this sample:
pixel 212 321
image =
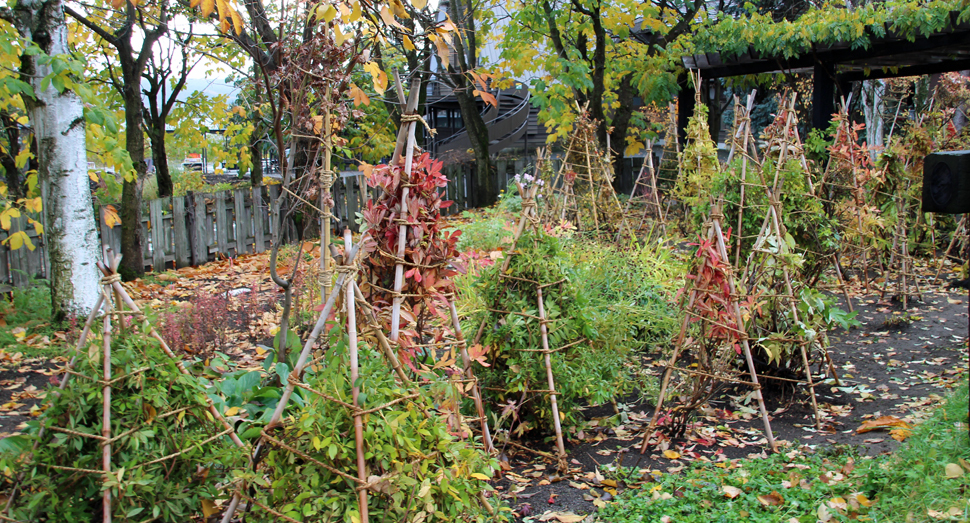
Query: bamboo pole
pixel 408 127
pixel 665 382
pixel 326 182
pixel 469 374
pixel 746 123
pixel 551 381
pixel 350 304
pixel 385 345
pixel 106 418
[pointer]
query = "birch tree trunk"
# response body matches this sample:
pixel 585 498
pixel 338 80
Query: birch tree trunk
pixel 872 104
pixel 58 121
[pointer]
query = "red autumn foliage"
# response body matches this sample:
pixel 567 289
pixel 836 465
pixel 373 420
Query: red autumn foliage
pixel 713 300
pixel 430 255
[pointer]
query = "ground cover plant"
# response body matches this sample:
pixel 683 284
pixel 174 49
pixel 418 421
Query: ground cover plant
pixel 925 480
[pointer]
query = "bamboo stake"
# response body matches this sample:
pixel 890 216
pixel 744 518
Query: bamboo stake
pixel 350 303
pixel 746 123
pixel 520 228
pixel 381 339
pixel 794 312
pixel 551 381
pixel 469 374
pixel 106 418
pixel 407 127
pixel 678 346
pixel 327 181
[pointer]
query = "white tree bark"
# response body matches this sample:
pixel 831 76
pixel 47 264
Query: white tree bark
pixel 57 118
pixel 872 106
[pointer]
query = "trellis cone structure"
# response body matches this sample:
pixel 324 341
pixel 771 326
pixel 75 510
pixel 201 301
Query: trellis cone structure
pixel 529 218
pixel 715 293
pixel 581 192
pixel 120 309
pixel 346 287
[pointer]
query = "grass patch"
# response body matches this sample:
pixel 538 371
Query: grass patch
pixel 26 317
pixel 926 480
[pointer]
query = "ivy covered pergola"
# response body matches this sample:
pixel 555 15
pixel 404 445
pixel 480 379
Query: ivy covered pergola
pixel 882 49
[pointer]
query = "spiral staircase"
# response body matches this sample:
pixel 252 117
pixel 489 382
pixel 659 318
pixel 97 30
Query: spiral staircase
pixel 508 124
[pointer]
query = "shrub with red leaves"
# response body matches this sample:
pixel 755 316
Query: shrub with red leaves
pixel 430 255
pixel 199 326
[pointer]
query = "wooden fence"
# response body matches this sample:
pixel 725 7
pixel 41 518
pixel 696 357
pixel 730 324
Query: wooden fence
pixel 200 227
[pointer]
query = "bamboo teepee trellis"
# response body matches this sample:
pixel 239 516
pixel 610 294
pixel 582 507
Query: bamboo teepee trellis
pixel 346 286
pixel 117 306
pixel 529 218
pixel 713 366
pixel 645 194
pixel 581 192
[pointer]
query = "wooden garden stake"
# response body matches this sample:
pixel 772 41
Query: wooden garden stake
pixel 551 381
pixel 746 124
pixel 327 178
pixel 467 363
pixel 409 120
pixel 350 303
pixel 106 421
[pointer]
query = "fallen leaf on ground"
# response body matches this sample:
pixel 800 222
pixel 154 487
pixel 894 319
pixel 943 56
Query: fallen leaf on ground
pixel 953 471
pixel 771 500
pixel 731 492
pixel 562 517
pixel 882 422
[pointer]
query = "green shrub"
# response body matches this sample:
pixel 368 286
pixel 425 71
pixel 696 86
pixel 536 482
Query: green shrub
pixel 608 305
pixel 171 490
pixel 491 233
pixel 419 465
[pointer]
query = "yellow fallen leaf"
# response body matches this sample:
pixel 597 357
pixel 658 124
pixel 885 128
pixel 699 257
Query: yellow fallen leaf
pixel 731 492
pixel 671 454
pixel 953 471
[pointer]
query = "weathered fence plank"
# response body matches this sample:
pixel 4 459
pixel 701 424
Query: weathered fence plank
pixel 180 237
pixel 157 236
pixel 243 246
pixel 258 219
